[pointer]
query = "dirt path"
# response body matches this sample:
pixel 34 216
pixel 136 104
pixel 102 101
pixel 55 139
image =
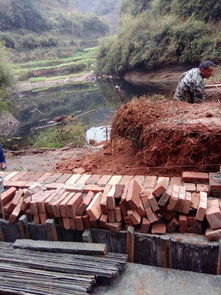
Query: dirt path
pixel 44 161
pixel 27 86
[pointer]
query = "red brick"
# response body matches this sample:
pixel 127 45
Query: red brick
pixel 93 179
pixel 140 210
pixel 213 235
pixel 79 223
pixel 118 214
pixel 134 217
pixel 92 187
pixel 7 195
pixel 43 217
pixel 54 185
pixel 73 179
pixel 153 203
pixel 111 216
pixel 63 205
pixel 158 228
pixel 111 199
pixel 41 202
pixel 167 214
pixel 164 179
pixel 195 200
pixel 9 176
pixel 133 195
pixel 174 197
pixel 104 180
pixel 149 182
pixel 63 178
pixel 86 201
pixel 73 204
pixel 190 187
pixel 183 223
pixel 72 223
pixel 51 199
pixel 103 203
pixel 66 223
pixel 213 215
pixel 15 212
pixel 114 227
pixel 176 180
pixel 160 188
pixel 18 195
pixel 83 179
pixel 56 204
pixel 193 225
pixel 86 220
pixel 115 179
pixel 165 197
pixel 119 189
pixel 214 185
pixel 181 199
pixel 140 179
pixel 94 209
pixel 43 177
pixel 103 220
pixel 145 225
pixel 195 177
pixel 201 211
pixel 36 219
pixel 126 179
pixel 202 187
pixel 173 225
pixel 187 203
pixel 123 204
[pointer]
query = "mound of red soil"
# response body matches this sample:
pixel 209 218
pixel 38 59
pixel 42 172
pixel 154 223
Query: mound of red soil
pixel 163 137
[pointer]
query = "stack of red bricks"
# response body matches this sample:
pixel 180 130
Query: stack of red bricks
pixel 115 202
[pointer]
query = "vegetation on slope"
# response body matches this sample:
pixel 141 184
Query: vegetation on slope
pixel 162 32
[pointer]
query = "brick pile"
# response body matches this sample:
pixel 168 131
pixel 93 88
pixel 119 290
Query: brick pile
pixel 150 204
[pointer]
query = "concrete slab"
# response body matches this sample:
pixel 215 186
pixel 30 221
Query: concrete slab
pixel 147 280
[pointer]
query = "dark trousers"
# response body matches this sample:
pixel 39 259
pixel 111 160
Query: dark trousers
pixel 2 156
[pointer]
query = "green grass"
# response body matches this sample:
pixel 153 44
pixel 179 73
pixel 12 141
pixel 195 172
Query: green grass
pixel 57 137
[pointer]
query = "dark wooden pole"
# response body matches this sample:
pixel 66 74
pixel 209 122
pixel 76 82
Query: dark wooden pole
pixel 130 243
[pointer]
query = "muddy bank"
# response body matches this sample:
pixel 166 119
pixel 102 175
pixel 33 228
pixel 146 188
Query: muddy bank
pixel 165 78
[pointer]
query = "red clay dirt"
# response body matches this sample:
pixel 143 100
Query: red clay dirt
pixel 163 137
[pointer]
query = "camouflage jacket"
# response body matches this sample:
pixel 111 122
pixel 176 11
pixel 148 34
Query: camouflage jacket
pixel 191 87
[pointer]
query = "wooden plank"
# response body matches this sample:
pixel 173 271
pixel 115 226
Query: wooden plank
pixel 62 247
pixel 130 243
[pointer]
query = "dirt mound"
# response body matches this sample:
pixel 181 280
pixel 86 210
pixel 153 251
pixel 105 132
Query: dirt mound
pixel 168 133
pixel 163 137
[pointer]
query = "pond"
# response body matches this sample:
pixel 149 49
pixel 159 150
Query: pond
pixel 36 108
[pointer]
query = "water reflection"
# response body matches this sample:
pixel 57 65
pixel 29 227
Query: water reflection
pixel 36 108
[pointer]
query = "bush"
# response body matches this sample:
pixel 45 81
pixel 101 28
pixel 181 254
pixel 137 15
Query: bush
pixel 158 37
pixel 6 78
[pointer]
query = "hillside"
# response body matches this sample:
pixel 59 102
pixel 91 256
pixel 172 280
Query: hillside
pixel 58 25
pixel 156 33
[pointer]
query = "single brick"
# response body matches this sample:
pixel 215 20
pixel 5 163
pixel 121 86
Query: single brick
pixel 79 223
pixel 173 225
pixel 115 179
pixel 195 200
pixel 133 195
pixel 103 220
pixel 114 227
pixel 103 203
pixel 134 217
pixel 195 177
pixel 111 216
pixel 7 195
pixel 94 208
pixel 165 197
pixel 153 203
pixel 181 199
pixel 160 188
pixel 187 203
pixel 183 223
pixel 213 235
pixel 158 228
pixel 201 211
pixel 174 197
pixel 86 201
pixel 213 215
pixel 73 204
pixel 145 225
pixel 118 214
pixel 193 225
pixel 111 198
pixel 190 187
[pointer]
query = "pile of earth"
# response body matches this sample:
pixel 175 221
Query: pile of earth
pixel 158 137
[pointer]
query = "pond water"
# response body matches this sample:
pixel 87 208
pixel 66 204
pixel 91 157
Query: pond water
pixel 36 108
